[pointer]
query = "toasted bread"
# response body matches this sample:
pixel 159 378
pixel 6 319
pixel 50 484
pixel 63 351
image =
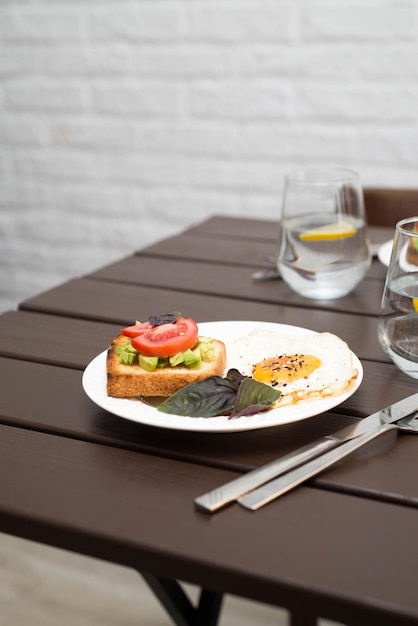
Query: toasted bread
pixel 128 381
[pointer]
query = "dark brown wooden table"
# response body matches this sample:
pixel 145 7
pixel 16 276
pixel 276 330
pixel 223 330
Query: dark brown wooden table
pixel 76 477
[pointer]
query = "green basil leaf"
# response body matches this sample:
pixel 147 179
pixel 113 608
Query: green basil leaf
pixel 253 397
pixel 207 398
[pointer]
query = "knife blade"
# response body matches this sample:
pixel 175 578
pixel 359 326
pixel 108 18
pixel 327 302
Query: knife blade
pixel 281 485
pixel 231 491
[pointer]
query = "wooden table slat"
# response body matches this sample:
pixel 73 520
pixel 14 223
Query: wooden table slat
pixel 247 253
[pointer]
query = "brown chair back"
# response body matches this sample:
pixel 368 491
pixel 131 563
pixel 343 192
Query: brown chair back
pixel 385 207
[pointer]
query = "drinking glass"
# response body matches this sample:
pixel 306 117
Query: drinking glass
pixel 324 250
pixel 398 322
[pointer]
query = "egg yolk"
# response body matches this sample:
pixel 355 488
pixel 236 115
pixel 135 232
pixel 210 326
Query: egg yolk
pixel 285 368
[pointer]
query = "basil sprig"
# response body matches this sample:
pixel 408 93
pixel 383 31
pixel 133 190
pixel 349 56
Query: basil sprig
pixel 165 318
pixel 235 395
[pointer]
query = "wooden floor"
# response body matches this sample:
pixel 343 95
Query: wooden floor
pixel 42 586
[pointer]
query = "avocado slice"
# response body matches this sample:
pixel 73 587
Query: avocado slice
pixel 148 363
pixel 192 358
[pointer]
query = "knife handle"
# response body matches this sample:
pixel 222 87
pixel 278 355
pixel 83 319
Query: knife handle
pixel 275 488
pixel 221 496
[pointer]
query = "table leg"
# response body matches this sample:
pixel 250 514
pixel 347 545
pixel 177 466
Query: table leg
pixel 178 606
pixel 208 611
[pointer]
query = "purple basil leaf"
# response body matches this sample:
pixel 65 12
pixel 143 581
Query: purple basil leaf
pixel 166 318
pixel 249 410
pixel 253 397
pixel 235 377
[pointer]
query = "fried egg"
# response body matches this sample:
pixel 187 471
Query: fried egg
pixel 302 367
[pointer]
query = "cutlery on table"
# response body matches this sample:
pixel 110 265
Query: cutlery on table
pixel 368 427
pixel 281 485
pixel 269 274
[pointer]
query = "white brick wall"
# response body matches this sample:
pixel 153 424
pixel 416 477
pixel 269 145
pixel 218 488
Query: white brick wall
pixel 124 121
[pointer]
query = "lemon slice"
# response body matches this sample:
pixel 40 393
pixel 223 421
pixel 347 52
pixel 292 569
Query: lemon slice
pixel 415 304
pixel 329 232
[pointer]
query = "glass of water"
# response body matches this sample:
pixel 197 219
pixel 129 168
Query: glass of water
pixel 324 250
pixel 398 322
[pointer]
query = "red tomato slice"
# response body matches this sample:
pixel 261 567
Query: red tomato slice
pixel 137 329
pixel 167 339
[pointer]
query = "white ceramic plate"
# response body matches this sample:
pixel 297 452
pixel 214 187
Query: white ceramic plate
pixel 94 384
pixel 384 252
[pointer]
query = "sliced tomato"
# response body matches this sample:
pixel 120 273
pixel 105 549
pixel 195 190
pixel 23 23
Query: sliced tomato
pixel 137 329
pixel 167 339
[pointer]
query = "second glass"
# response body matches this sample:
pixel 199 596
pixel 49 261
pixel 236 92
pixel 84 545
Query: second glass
pixel 398 322
pixel 324 250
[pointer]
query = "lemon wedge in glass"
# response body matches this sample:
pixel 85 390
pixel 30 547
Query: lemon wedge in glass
pixel 329 232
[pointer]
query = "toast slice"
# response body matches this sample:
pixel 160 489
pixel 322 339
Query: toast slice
pixel 129 381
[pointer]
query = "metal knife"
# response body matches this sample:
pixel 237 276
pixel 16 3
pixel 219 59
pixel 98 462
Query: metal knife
pixel 223 495
pixel 281 485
